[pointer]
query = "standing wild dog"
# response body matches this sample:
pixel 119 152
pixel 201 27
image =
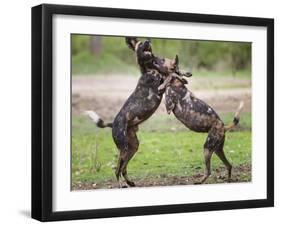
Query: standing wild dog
pixel 140 105
pixel 198 116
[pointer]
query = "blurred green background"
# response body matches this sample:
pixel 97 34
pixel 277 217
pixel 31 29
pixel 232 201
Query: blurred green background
pixel 105 54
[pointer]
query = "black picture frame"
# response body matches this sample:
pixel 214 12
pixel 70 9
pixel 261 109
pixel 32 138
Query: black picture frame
pixel 42 107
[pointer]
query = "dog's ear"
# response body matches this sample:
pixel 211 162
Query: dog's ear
pixel 184 81
pixel 187 74
pixel 176 60
pixel 131 42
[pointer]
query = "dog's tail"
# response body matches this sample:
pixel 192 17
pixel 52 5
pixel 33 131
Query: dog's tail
pixel 236 117
pixel 99 122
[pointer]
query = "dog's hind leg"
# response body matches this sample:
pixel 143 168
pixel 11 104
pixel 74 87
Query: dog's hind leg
pixel 120 137
pixel 221 155
pixel 126 155
pixel 123 160
pixel 207 156
pixel 133 148
pixel 120 164
pixel 214 142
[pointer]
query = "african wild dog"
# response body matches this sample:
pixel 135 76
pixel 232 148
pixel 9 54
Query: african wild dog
pixel 198 116
pixel 140 105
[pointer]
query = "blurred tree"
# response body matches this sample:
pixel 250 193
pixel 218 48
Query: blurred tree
pixel 189 54
pixel 80 43
pixel 95 45
pixel 107 53
pixel 240 56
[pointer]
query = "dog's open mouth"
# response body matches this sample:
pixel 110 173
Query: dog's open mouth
pixel 147 48
pixel 147 53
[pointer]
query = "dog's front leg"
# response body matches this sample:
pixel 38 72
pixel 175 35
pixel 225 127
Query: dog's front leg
pixel 165 83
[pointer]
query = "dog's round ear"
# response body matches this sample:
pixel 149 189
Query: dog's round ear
pixel 187 74
pixel 131 42
pixel 176 60
pixel 184 81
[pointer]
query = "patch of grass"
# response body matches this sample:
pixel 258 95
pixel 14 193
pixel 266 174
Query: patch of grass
pixel 170 123
pixel 226 73
pixel 199 82
pixel 87 64
pixel 164 123
pixel 163 150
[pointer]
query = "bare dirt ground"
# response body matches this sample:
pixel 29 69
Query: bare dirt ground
pixel 240 174
pixel 106 94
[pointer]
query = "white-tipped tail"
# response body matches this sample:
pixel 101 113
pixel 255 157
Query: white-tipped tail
pixel 236 117
pixel 99 122
pixel 93 115
pixel 237 113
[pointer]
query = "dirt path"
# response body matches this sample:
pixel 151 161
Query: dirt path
pixel 106 94
pixel 239 174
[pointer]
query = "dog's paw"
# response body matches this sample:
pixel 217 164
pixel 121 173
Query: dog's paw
pixel 197 182
pixel 131 183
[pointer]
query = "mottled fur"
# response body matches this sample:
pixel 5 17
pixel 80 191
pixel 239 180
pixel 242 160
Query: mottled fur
pixel 140 105
pixel 198 116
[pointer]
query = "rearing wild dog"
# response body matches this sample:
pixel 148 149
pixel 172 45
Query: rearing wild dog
pixel 198 116
pixel 140 105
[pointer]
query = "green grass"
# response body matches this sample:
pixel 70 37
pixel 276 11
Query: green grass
pixel 225 73
pixel 215 82
pixel 165 146
pixel 87 64
pixel 169 123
